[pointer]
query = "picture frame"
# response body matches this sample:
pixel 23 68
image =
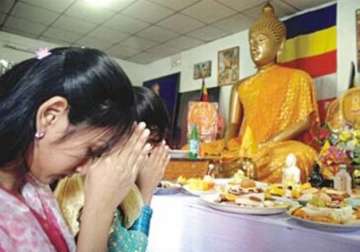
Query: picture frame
pixel 202 70
pixel 228 66
pixel 183 105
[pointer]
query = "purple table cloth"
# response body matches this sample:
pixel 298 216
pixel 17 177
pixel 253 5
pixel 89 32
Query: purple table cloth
pixel 181 223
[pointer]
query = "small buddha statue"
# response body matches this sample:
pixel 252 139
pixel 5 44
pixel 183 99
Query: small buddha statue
pixel 269 109
pixel 291 173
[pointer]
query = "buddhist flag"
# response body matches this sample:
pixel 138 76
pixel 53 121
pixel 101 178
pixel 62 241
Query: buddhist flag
pixel 311 46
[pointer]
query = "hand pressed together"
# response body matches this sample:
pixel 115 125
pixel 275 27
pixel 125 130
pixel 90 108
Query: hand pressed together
pixel 153 171
pixel 109 178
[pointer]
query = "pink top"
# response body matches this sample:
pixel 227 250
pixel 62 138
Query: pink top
pixel 33 222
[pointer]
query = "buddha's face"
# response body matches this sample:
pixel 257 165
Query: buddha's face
pixel 263 48
pixel 351 107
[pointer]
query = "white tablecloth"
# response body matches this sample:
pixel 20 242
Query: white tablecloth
pixel 181 223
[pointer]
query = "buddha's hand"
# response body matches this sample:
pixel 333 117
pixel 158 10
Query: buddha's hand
pixel 109 178
pixel 153 171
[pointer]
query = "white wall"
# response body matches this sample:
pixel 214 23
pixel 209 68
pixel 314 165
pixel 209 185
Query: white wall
pixel 346 52
pixel 134 71
pixel 204 53
pixel 346 41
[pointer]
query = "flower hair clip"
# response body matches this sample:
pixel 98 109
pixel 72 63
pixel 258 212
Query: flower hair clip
pixel 42 53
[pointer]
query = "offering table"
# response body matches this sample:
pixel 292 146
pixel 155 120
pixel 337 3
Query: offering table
pixel 181 223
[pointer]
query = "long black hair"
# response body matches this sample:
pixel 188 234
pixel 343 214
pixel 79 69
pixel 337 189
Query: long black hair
pixel 151 110
pixel 98 91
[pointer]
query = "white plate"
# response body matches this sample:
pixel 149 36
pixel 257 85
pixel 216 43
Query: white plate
pixel 198 192
pixel 327 226
pixel 167 188
pixel 209 200
pixel 167 191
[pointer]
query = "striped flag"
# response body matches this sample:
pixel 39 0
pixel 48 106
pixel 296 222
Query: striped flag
pixel 311 46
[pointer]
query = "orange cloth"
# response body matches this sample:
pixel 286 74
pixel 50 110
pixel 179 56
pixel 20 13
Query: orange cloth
pixel 276 99
pixel 270 160
pixel 273 100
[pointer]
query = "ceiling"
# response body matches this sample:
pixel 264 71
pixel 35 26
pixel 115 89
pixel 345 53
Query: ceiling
pixel 139 31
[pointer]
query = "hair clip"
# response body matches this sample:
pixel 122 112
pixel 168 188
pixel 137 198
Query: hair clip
pixel 42 53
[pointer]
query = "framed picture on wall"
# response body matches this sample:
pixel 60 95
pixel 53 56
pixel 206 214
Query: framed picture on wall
pixel 358 39
pixel 202 70
pixel 181 117
pixel 167 88
pixel 228 66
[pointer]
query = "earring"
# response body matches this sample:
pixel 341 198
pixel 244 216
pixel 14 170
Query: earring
pixel 39 134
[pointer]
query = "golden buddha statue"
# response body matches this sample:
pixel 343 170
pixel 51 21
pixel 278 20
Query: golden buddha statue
pixel 345 111
pixel 343 115
pixel 270 108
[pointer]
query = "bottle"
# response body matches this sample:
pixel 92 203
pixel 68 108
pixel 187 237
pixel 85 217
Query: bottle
pixel 194 143
pixel 342 180
pixel 291 173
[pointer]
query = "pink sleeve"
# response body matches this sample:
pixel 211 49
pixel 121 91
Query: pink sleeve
pixel 6 243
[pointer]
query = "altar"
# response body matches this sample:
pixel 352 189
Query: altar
pixel 181 223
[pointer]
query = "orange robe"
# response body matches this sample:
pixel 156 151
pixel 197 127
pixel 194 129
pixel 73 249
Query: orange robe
pixel 273 100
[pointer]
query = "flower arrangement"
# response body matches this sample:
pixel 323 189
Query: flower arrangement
pixel 339 147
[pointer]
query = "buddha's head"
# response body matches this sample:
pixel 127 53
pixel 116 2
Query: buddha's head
pixel 351 106
pixel 266 37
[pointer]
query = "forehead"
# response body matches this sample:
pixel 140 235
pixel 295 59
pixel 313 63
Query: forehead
pixel 259 35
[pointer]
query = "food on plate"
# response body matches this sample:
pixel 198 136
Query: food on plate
pixel 339 215
pixel 247 183
pixel 301 192
pixel 237 177
pixel 181 180
pixel 246 186
pixel 329 206
pixel 275 190
pixel 247 193
pixel 206 183
pixel 325 197
pixel 249 200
